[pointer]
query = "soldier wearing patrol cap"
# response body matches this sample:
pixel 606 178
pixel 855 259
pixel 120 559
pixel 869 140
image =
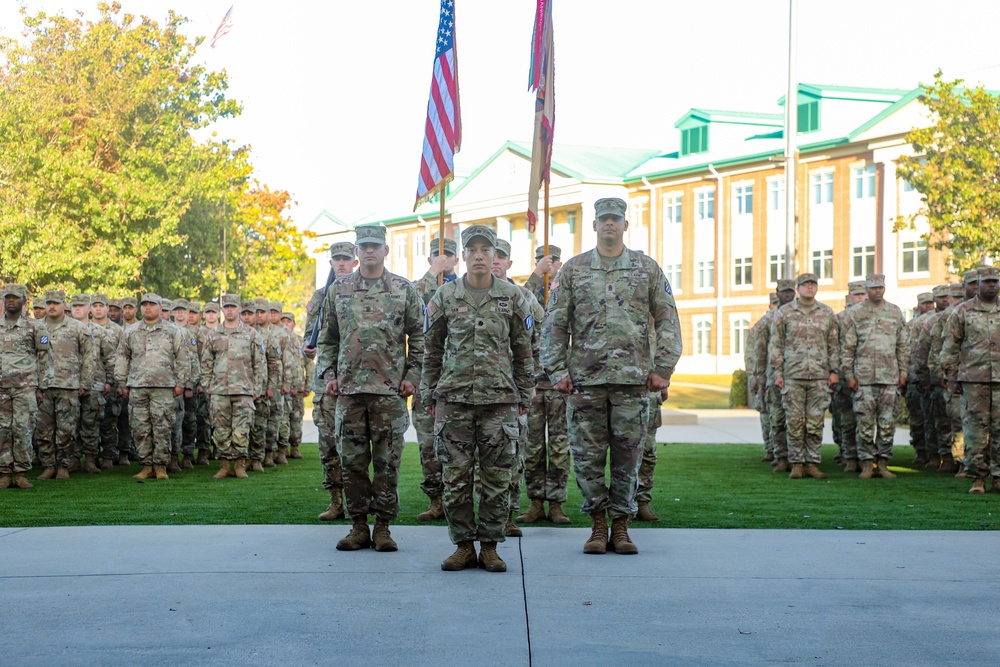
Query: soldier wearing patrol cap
pixel 38 308
pixel 845 424
pixel 101 322
pixel 545 265
pixel 130 308
pixel 930 389
pixel 300 387
pixel 182 422
pixel 264 434
pixel 201 436
pixel 292 370
pixel 98 386
pixel 915 389
pixel 756 376
pixel 610 297
pixel 775 409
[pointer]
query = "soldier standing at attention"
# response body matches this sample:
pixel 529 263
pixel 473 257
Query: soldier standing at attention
pixel 544 265
pixel 291 372
pixel 88 431
pixel 775 406
pixel 930 389
pixel 74 361
pixel 477 379
pixel 38 308
pixel 115 311
pixel 440 264
pixel 232 372
pixel 99 311
pixel 875 355
pixel 300 388
pixel 126 445
pixel 756 381
pixel 970 359
pixel 370 350
pixel 805 355
pixel 845 422
pixel 151 369
pixel 915 388
pixel 25 372
pixel 202 437
pixel 264 437
pixel 595 349
pixel 342 262
pixel 129 310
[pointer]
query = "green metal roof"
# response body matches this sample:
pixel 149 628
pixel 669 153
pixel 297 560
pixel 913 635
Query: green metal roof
pixel 326 215
pixel 735 117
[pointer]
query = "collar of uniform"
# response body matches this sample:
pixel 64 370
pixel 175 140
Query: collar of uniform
pixel 495 289
pixel 623 261
pixel 18 322
pixel 979 304
pixel 379 285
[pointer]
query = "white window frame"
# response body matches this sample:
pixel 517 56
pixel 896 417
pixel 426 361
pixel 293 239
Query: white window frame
pixel 771 263
pixel 866 252
pixel 823 279
pixel 821 182
pixel 776 194
pixel 703 269
pixel 920 246
pixel 701 332
pixel 734 333
pixel 419 245
pixel 740 267
pixel 671 270
pixel 863 182
pixel 743 199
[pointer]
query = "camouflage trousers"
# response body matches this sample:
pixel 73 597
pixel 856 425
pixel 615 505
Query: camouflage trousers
pixel 126 444
pixel 875 406
pixel 423 422
pixel 264 432
pixel 776 415
pixel 151 417
pixel 517 473
pixel 608 421
pixel 647 465
pixel 58 416
pixel 203 422
pixel 805 403
pixel 369 431
pixel 296 413
pixel 466 436
pixel 177 427
pixel 842 406
pixel 88 430
pixel 953 406
pixel 189 428
pixel 917 421
pixel 325 416
pixel 18 410
pixel 546 449
pixel 942 423
pixel 231 417
pixel 930 424
pixel 981 424
pixel 109 427
pixel 284 414
pixel 760 405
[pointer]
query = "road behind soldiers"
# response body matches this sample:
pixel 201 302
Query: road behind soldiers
pixel 281 594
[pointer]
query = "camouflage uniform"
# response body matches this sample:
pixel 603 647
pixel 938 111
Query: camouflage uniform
pixel 126 444
pixel 300 385
pixel 111 407
pixel 916 385
pixel 647 466
pixel 264 435
pixel 931 339
pixel 477 371
pixel 25 366
pixel 845 423
pixel 951 442
pixel 324 411
pixel 765 380
pixel 92 401
pixel 919 369
pixel 755 362
pixel 152 362
pixel 371 341
pixel 291 369
pixel 194 336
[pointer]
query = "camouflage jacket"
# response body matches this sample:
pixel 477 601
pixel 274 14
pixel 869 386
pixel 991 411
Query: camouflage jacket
pixel 194 334
pixel 805 342
pixel 372 337
pixel 876 344
pixel 25 357
pixel 478 354
pixel 304 367
pixel 153 356
pixel 920 341
pixel 290 367
pixel 428 285
pixel 74 354
pixel 538 316
pixel 232 361
pixel 274 372
pixel 597 320
pixel 755 371
pixel 971 348
pixel 536 284
pixel 936 343
pixel 105 348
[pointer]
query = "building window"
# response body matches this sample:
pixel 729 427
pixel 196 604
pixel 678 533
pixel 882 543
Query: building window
pixel 862 261
pixel 907 186
pixel 776 194
pixel 705 275
pixel 743 271
pixel 823 264
pixel 673 274
pixel 694 140
pixel 863 182
pixel 704 202
pixel 672 210
pixel 744 199
pixel 702 334
pixel 399 263
pixel 775 267
pixel 808 117
pixel 822 187
pixel 915 257
pixel 738 337
pixel 419 247
pixel 571 221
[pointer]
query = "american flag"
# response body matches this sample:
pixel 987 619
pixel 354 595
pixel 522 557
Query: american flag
pixel 224 27
pixel 541 79
pixel 443 128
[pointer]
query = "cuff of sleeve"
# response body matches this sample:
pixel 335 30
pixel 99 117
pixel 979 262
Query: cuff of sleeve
pixel 664 373
pixel 555 377
pixel 426 398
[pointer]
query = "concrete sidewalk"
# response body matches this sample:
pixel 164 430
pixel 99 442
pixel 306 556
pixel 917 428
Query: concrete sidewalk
pixel 253 595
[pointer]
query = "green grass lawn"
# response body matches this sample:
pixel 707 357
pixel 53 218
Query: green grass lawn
pixel 696 398
pixel 698 486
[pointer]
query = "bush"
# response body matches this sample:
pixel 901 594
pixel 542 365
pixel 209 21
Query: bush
pixel 738 390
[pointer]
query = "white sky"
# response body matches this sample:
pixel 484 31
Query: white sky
pixel 335 92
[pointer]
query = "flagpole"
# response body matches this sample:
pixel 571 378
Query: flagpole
pixel 545 294
pixel 441 235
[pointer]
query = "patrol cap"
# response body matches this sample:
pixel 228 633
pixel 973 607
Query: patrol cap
pixel 211 307
pixel 785 284
pixel 806 278
pixel 130 301
pixel 940 291
pixel 554 250
pixel 450 247
pixel 261 304
pixel 230 300
pixel 342 249
pixel 80 300
pixel 925 297
pixel 856 287
pixel 989 273
pixel 773 297
pixel 38 302
pixel 370 234
pixel 14 289
pixel 150 297
pixel 115 303
pixel 194 306
pixel 247 307
pixel 288 316
pixel 55 296
pixel 610 206
pixel 478 231
pixel 957 289
pixel 971 276
pixel 165 304
pixel 179 304
pixel 275 305
pixel 99 298
pixel 504 247
pixel 875 280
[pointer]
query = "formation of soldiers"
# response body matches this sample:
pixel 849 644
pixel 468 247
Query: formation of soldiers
pixel 109 381
pixel 865 363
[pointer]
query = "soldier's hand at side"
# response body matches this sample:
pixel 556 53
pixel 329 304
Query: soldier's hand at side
pixel 309 352
pixel 188 393
pixel 268 394
pixel 664 395
pixel 956 388
pixel 656 383
pixel 833 380
pixel 38 394
pixel 200 389
pixel 107 388
pixel 331 387
pixel 123 391
pixel 902 381
pixel 564 386
pixel 178 391
pixel 780 383
pixel 943 383
pixel 284 391
pixel 430 410
pixel 81 391
pixel 406 388
pixel 852 384
pixel 521 410
pixel 544 266
pixel 255 396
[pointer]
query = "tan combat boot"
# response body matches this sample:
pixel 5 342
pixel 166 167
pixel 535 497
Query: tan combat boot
pixel 202 458
pixel 161 472
pixel 48 473
pixel 256 466
pixel 995 488
pixel 123 459
pixel 598 542
pixel 224 470
pixel 933 461
pixel 556 514
pixel 240 470
pixel 21 481
pixel 781 465
pixel 867 469
pixel 74 465
pixel 948 465
pixel 434 511
pixel 919 460
pixel 145 473
pixel 851 465
pixel 62 473
pixel 883 470
pixel 645 512
pixel 358 538
pixel 269 460
pixel 336 509
pixel 281 458
pixel 620 541
pixel 6 479
pixel 534 513
pixel 382 538
pixel 188 462
pixel 796 472
pixel 90 465
pixel 173 465
pixel 511 529
pixel 489 559
pixel 463 558
pixel 767 457
pixel 107 463
pixel 978 486
pixel 812 470
pixel 295 453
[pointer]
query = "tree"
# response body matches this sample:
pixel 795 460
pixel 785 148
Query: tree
pixel 956 168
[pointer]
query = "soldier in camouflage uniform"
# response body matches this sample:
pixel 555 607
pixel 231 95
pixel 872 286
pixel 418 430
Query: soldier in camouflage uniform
pixel 596 350
pixel 546 268
pixel 74 360
pixel 126 444
pixel 477 379
pixel 845 424
pixel 875 355
pixel 151 369
pixel 970 359
pixel 25 372
pixel 190 324
pixel 442 267
pixel 930 389
pixel 342 262
pixel 804 352
pixel 233 374
pixel 129 311
pixel 178 445
pixel 775 407
pixel 292 370
pixel 756 368
pixel 370 351
pixel 915 387
pixel 211 313
pixel 38 308
pixel 264 437
pixel 99 307
pixel 647 466
pixel 88 429
pixel 299 389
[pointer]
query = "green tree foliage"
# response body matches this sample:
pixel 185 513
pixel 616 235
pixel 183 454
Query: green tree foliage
pixel 956 169
pixel 102 184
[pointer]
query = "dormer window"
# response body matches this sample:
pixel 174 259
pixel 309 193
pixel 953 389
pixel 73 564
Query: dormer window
pixel 694 140
pixel 808 116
